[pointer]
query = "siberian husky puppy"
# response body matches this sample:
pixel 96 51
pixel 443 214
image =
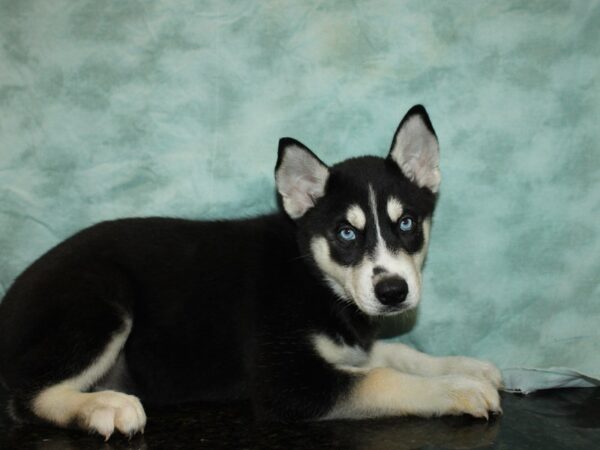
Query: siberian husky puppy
pixel 279 309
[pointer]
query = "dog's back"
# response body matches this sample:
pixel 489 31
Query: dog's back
pixel 191 287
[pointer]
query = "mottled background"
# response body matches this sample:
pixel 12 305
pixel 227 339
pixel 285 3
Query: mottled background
pixel 135 108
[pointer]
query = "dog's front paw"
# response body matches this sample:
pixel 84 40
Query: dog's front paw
pixel 466 395
pixel 483 370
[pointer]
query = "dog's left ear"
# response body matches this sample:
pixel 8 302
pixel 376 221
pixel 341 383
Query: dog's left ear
pixel 300 177
pixel 415 149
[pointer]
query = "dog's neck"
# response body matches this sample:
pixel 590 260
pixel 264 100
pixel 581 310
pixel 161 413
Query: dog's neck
pixel 358 327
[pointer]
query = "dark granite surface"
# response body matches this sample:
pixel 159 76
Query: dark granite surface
pixel 559 419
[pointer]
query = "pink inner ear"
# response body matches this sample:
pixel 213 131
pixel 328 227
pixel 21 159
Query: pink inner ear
pixel 416 151
pixel 301 197
pixel 301 181
pixel 308 190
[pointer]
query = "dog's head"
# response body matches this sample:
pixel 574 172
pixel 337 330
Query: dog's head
pixel 365 222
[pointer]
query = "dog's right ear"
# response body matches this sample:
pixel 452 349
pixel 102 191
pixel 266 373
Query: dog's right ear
pixel 300 177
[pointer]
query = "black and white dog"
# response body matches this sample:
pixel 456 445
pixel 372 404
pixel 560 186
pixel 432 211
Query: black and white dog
pixel 280 310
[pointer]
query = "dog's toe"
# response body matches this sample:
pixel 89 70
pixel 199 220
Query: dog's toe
pixel 106 411
pixel 471 396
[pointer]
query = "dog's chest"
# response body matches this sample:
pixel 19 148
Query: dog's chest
pixel 338 353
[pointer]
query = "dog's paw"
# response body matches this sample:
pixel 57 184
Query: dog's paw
pixel 483 370
pixel 466 395
pixel 103 412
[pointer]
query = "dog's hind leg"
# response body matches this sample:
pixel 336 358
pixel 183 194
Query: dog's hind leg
pixel 59 340
pixel 66 403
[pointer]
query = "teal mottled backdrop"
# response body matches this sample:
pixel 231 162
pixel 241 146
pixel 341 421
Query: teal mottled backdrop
pixel 135 108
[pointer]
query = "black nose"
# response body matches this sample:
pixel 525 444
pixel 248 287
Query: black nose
pixel 391 291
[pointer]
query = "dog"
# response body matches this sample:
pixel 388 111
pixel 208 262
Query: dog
pixel 281 310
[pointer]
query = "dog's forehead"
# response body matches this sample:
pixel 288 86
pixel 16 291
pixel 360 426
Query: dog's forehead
pixel 357 183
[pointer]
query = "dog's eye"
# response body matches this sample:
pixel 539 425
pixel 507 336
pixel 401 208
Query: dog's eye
pixel 347 233
pixel 406 224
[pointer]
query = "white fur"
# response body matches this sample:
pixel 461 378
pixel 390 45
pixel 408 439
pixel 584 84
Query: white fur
pixel 335 274
pixel 404 266
pixel 416 151
pixel 394 209
pixel 373 205
pixel 383 391
pixel 350 283
pixel 419 257
pixel 398 263
pixel 356 217
pixel 356 283
pixel 408 360
pixel 101 412
pixel 300 180
pixel 398 380
pixel 339 355
pixel 405 359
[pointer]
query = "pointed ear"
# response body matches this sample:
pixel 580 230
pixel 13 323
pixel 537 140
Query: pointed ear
pixel 300 177
pixel 415 149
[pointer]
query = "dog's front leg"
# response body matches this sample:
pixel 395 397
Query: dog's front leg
pixel 408 360
pixel 386 392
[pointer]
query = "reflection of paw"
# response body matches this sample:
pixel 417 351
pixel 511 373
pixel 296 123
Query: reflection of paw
pixel 466 395
pixel 104 411
pixel 476 368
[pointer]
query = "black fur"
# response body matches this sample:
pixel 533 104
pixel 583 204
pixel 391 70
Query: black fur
pixel 220 310
pixel 348 185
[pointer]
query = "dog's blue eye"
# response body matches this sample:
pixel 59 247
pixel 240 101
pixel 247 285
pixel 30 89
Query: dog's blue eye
pixel 347 234
pixel 406 224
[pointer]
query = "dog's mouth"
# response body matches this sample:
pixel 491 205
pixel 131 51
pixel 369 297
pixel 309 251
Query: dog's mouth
pixel 372 307
pixel 395 310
